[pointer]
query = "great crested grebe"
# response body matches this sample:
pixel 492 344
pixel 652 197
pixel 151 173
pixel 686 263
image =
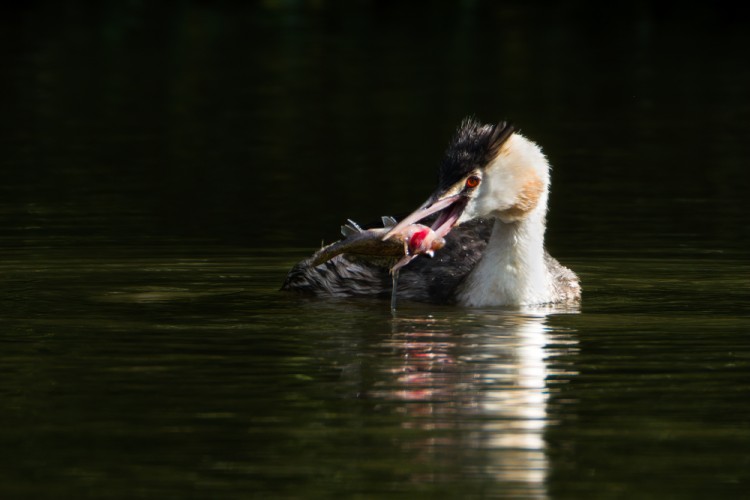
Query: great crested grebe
pixel 490 207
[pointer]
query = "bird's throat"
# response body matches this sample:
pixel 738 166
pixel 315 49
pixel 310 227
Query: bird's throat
pixel 512 270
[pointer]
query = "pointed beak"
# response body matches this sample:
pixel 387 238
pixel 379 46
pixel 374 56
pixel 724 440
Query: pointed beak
pixel 452 206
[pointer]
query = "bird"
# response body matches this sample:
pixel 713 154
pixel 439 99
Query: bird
pixel 490 206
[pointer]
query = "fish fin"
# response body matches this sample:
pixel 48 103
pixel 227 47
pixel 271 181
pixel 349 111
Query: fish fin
pixel 388 221
pixel 350 228
pixel 401 263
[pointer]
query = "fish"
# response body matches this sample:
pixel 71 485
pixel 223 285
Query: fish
pixel 398 248
pixel 406 244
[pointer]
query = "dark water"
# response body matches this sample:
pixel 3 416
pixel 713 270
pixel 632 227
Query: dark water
pixel 164 166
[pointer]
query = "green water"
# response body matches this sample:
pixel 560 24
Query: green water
pixel 164 166
pixel 162 374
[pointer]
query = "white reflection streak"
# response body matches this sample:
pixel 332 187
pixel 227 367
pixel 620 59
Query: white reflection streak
pixel 517 405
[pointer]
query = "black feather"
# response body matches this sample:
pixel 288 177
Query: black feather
pixel 474 146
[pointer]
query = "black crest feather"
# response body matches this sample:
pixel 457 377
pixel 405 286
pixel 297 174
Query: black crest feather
pixel 474 146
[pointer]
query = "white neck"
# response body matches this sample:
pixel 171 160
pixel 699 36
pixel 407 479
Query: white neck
pixel 512 270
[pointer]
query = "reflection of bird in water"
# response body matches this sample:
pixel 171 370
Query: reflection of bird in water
pixel 481 380
pixel 493 187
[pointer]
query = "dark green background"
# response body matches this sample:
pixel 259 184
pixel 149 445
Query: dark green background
pixel 268 123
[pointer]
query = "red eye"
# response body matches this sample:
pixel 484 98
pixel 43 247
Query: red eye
pixel 472 181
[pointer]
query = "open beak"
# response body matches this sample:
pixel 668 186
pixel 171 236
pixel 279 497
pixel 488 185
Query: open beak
pixel 452 206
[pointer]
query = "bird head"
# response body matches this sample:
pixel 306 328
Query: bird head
pixel 488 171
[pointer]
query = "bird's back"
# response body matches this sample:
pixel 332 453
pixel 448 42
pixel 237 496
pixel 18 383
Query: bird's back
pixel 425 279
